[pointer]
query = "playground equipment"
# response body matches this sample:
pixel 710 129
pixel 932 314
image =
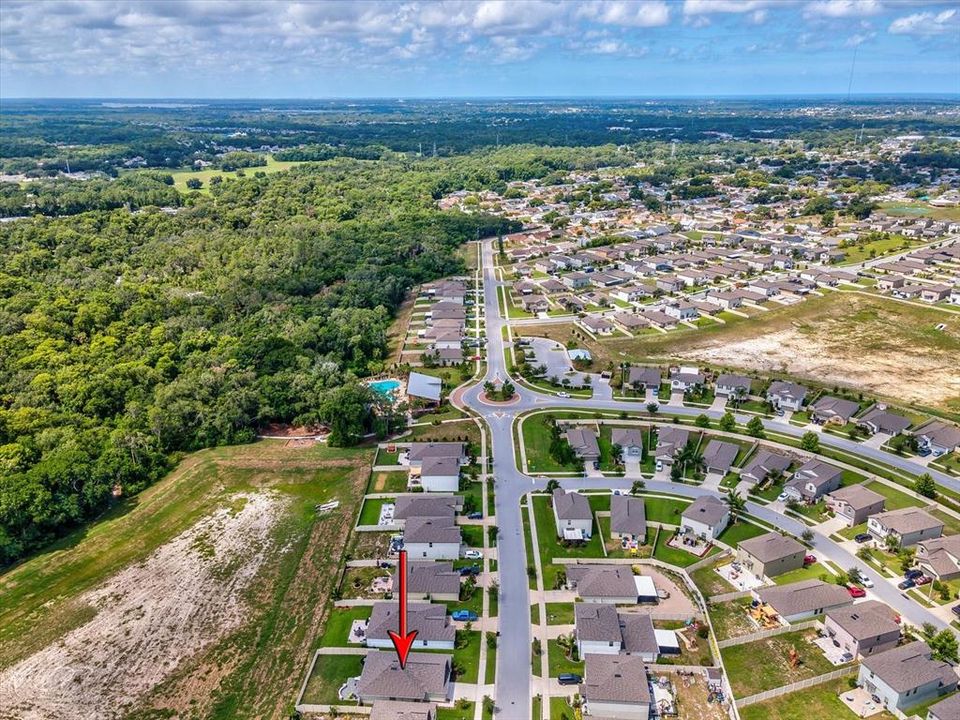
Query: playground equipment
pixel 765 616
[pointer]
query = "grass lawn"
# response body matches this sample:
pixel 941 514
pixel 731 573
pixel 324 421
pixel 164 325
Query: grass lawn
pixel 765 664
pixel 472 535
pixel 729 619
pixel 560 709
pixel 742 530
pixel 550 545
pixel 301 557
pixel 370 513
pixel 386 458
pixel 338 625
pixel 491 667
pixel 473 602
pixel 494 602
pixel 536 441
pixel 454 713
pixel 811 572
pixel 180 177
pixel 896 499
pixel 664 510
pixel 528 543
pixel 329 673
pixel 851 532
pixel 951 525
pixel 560 613
pixel 468 656
pixel 387 482
pixel 672 556
pixel 819 701
pixel 558 661
pixel 710 582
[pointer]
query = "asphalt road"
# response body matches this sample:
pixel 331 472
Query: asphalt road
pixel 513 657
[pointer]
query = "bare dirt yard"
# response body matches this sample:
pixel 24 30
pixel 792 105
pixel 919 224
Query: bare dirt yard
pixel 200 598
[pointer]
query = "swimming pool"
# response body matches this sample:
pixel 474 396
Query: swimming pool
pixel 385 387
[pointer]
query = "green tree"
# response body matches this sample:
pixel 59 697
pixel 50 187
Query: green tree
pixel 810 442
pixel 924 485
pixel 728 423
pixel 347 411
pixel 702 420
pixel 755 427
pixel 737 504
pixel 944 647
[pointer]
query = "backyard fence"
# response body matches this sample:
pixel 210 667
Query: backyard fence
pixel 793 687
pixel 735 595
pixel 709 560
pixel 772 632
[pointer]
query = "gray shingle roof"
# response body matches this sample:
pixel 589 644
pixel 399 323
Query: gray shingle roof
pixel 637 633
pixel 727 380
pixel 771 546
pixel 440 466
pixel 909 666
pixel 615 679
pixel 425 675
pixel 431 529
pixel 765 462
pixel 945 709
pixel 857 496
pixel 409 506
pixel 788 390
pixel 432 578
pixel 596 622
pixel 627 437
pixel 603 580
pixel 720 454
pixel 706 509
pixel 627 515
pixel 584 442
pixel 420 451
pixel 907 520
pixel 865 620
pixel 833 406
pixel 804 596
pixel 397 710
pixel 429 620
pixel 571 505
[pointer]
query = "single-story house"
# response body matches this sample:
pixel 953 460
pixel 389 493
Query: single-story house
pixel 573 516
pixel 686 378
pixel 940 557
pixel 906 676
pixel 647 378
pixel 627 518
pixel 814 479
pixel 534 303
pixel 829 409
pixel 597 325
pixel 616 686
pixel 855 503
pixel 612 584
pixel 436 538
pixel 762 464
pixel 728 385
pixel 803 599
pixel 420 505
pixel 940 437
pixel 878 419
pixel 630 441
pixel 425 678
pixel 424 387
pixel 584 443
pixel 433 626
pixel 432 580
pixel 863 629
pixel 786 395
pixel 705 517
pixel 907 526
pixel 719 455
pixel 771 554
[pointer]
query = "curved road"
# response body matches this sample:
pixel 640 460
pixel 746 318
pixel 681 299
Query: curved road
pixel 513 657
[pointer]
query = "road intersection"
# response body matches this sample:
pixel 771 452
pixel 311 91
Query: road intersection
pixel 513 683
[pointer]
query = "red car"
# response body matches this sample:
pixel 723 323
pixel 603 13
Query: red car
pixel 856 592
pixel 809 559
pixel 923 580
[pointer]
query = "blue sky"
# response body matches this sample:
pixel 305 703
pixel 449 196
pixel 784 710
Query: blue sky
pixel 244 48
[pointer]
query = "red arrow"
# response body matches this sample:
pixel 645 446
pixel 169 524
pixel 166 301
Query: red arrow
pixel 403 640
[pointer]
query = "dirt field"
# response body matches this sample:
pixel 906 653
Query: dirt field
pixel 887 348
pixel 202 599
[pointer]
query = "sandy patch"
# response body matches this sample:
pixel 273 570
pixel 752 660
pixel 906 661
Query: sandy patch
pixel 150 617
pixel 922 377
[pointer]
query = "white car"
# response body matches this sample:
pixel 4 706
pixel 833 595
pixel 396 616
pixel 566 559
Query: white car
pixel 659 465
pixel 866 582
pixel 563 394
pixel 782 497
pixel 473 554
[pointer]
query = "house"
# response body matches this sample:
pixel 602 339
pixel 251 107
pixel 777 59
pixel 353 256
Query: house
pixel 419 505
pixel 935 293
pixel 432 580
pixel 878 419
pixel 803 599
pixel 906 676
pixel 829 409
pixel 771 554
pixel 431 538
pixel 786 395
pixel 611 584
pixel 440 474
pixel 948 709
pixel 728 385
pixel 669 441
pixel 571 512
pixel 627 518
pixel 630 441
pixel 906 526
pixel 424 387
pixel 425 678
pixel 630 321
pixel 937 436
pixel 583 441
pixel 597 325
pixel 399 710
pixel 616 686
pixel 863 629
pixel 601 630
pixel 433 626
pixel 725 299
pixel 814 479
pixel 762 464
pixel 719 456
pixel 647 378
pixel 682 311
pixel 534 303
pixel 940 557
pixel 855 503
pixel 446 310
pixel 705 517
pixel 686 378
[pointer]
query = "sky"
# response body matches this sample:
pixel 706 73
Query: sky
pixel 466 48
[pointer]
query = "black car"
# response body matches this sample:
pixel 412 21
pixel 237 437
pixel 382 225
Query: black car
pixel 469 570
pixel 907 584
pixel 913 574
pixel 475 516
pixel 569 679
pixel 863 537
pixel 956 609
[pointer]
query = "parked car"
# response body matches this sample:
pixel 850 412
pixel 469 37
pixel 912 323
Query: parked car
pixel 956 609
pixel 464 615
pixel 782 497
pixel 659 465
pixel 863 537
pixel 472 554
pixel 907 584
pixel 809 559
pixel 913 574
pixel 866 582
pixel 923 580
pixel 856 592
pixel 469 570
pixel 846 657
pixel 562 394
pixel 923 452
pixel 475 516
pixel 569 679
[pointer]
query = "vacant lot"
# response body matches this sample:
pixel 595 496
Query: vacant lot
pixel 820 701
pixel 201 597
pixel 765 664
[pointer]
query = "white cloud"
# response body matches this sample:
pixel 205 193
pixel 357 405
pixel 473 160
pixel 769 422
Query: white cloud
pixel 709 7
pixel 927 23
pixel 646 13
pixel 844 8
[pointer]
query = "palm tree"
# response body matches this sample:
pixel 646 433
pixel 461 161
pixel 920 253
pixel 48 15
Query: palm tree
pixel 736 503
